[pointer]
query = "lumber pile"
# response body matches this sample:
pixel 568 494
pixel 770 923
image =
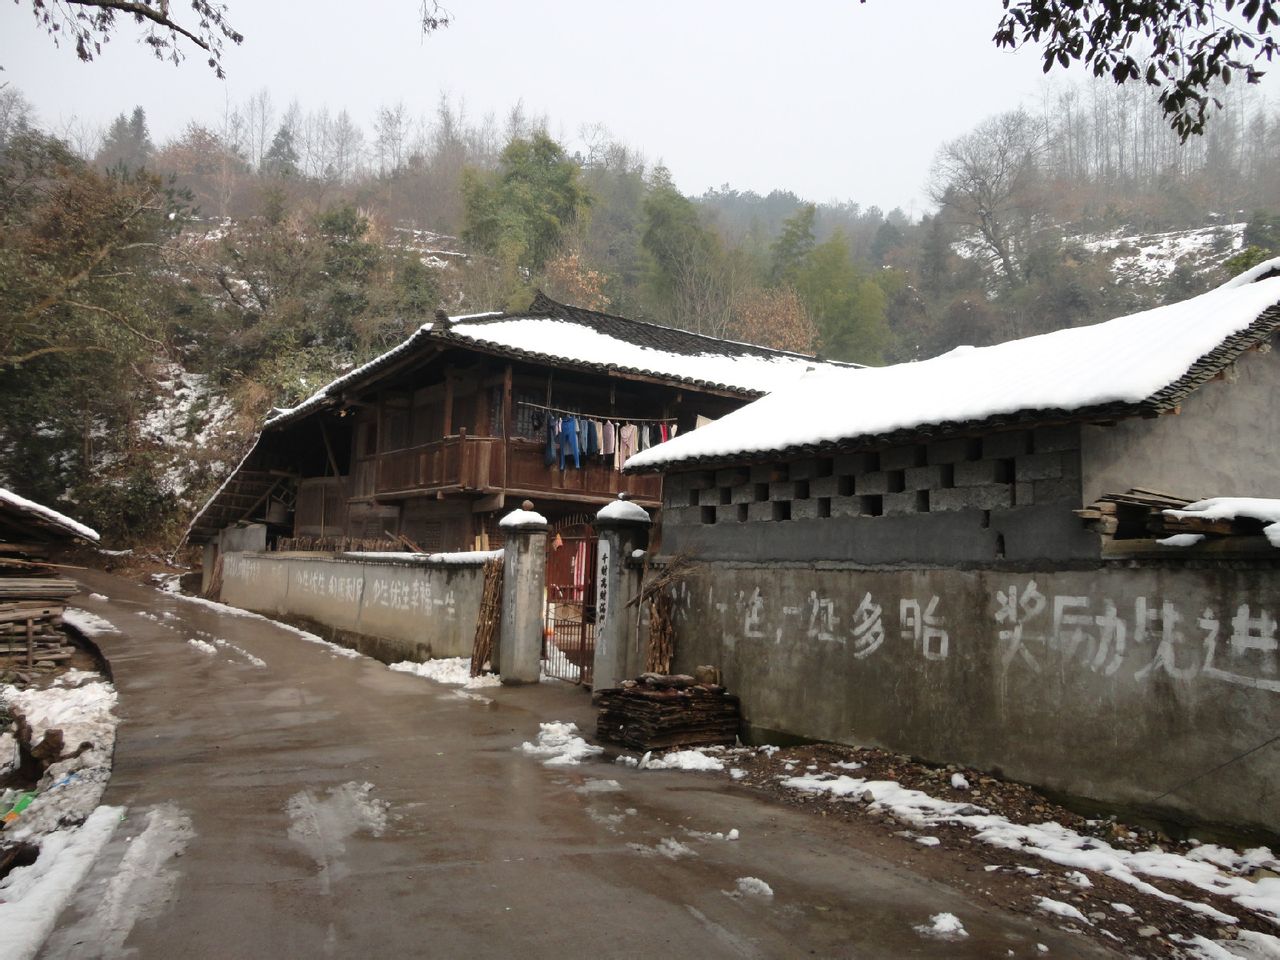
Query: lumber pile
pixel 1136 515
pixel 1139 515
pixel 657 711
pixel 31 618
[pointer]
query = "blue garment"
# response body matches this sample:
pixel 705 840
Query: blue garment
pixel 553 429
pixel 592 446
pixel 569 441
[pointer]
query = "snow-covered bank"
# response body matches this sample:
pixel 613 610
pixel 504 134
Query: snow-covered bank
pixel 63 818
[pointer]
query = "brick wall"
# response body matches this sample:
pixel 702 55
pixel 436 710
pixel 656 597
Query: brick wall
pixel 999 471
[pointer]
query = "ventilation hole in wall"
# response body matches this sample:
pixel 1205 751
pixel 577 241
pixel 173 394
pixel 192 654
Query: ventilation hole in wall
pixel 896 481
pixel 824 467
pixel 742 513
pixel 801 491
pixel 693 498
pixel 1004 471
pixel 872 506
pixel 999 546
pixel 986 519
pixel 782 510
pixel 844 486
pixel 871 463
pixel 920 455
pixel 973 449
pixel 922 501
pixel 708 514
pixel 946 476
pixel 824 506
pixel 761 493
pixel 726 496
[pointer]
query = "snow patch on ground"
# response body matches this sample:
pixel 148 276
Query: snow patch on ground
pixel 752 887
pixel 559 745
pixel 32 897
pixel 668 847
pixel 98 596
pixel 335 649
pixel 453 670
pixel 69 789
pixel 943 926
pixel 1058 908
pixel 142 886
pixel 1058 844
pixel 203 647
pixel 322 826
pixel 90 624
pixel 681 760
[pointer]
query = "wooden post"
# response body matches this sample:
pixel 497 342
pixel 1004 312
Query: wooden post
pixel 31 642
pixel 448 403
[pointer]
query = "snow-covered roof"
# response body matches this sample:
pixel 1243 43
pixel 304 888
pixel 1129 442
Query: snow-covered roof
pixel 43 517
pixel 1145 362
pixel 569 336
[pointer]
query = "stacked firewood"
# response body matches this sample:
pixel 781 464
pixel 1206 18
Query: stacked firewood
pixel 657 711
pixel 32 599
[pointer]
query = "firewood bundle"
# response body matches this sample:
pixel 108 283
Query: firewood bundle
pixel 1141 514
pixel 657 711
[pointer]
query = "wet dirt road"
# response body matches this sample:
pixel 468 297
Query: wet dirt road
pixel 249 831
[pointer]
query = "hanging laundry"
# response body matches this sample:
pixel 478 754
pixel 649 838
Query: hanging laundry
pixel 592 447
pixel 643 435
pixel 609 439
pixel 628 440
pixel 598 449
pixel 664 431
pixel 675 427
pixel 569 441
pixel 553 432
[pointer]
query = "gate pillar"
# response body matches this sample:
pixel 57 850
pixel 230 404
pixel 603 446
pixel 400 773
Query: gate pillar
pixel 524 573
pixel 623 528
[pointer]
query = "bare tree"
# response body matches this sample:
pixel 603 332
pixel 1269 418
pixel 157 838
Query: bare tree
pixel 391 129
pixel 988 180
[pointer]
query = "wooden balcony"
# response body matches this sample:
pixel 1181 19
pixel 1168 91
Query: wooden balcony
pixel 487 465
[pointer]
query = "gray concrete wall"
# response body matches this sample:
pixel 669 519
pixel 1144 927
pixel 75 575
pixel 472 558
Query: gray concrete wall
pixel 389 610
pixel 1007 495
pixel 1114 684
pixel 1224 443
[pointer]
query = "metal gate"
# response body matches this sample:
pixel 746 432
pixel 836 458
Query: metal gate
pixel 569 637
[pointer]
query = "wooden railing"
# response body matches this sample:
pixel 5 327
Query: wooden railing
pixel 480 464
pixel 466 463
pixel 591 479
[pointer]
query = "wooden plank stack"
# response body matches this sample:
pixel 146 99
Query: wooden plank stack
pixel 30 620
pixel 657 711
pixel 1139 515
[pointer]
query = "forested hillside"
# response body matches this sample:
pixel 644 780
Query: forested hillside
pixel 161 297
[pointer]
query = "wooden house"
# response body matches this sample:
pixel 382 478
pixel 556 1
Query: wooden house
pixel 426 444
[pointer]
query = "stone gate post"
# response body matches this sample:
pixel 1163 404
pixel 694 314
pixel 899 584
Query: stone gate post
pixel 622 527
pixel 524 575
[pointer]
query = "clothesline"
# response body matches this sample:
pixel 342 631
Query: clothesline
pixel 595 416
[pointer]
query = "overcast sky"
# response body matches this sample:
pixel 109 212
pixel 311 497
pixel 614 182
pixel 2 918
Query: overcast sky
pixel 832 100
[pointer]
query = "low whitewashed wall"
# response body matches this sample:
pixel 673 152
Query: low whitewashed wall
pixel 1123 684
pixel 389 606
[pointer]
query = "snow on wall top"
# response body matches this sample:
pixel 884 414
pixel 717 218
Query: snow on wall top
pixel 1125 360
pixel 46 515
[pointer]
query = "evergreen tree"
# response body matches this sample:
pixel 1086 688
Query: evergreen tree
pixel 127 144
pixel 281 158
pixel 793 245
